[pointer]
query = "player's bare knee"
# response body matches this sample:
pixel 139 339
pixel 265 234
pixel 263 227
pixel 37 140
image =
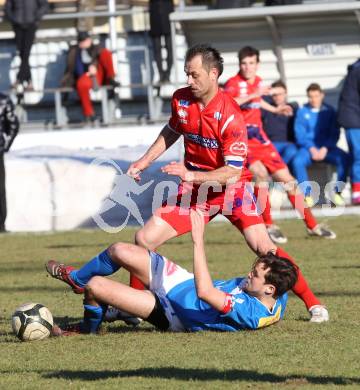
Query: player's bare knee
pixel 260 172
pixel 118 252
pixel 142 239
pixel 139 237
pixel 260 243
pixel 266 247
pixel 262 177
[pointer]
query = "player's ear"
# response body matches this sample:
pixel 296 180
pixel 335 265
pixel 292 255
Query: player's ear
pixel 214 74
pixel 270 289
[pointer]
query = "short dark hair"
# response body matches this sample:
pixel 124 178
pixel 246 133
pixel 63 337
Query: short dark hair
pixel 248 51
pixel 282 272
pixel 82 36
pixel 210 57
pixel 313 87
pixel 279 84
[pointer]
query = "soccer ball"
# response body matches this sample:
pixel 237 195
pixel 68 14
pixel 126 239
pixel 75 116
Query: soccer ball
pixel 32 321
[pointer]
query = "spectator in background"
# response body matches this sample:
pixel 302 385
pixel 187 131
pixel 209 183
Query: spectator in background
pixel 349 118
pixel 88 66
pixel 317 133
pixel 25 16
pixel 160 27
pixel 9 127
pixel 280 127
pixel 263 159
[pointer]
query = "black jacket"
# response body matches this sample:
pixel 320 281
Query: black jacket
pixel 279 128
pixel 9 123
pixel 159 17
pixel 349 102
pixel 25 13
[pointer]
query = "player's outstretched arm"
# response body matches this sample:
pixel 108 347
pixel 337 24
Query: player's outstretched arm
pixel 165 139
pixel 203 282
pixel 285 109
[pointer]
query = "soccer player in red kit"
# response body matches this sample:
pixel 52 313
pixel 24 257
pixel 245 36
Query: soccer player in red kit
pixel 215 141
pixel 215 150
pixel 247 90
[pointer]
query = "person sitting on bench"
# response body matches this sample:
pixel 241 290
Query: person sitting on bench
pixel 88 66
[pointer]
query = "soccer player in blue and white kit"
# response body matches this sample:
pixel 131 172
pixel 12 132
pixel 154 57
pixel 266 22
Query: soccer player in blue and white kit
pixel 178 300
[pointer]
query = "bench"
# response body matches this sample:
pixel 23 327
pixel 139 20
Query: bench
pixel 108 105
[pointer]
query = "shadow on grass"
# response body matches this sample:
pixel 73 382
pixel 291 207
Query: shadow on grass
pixel 190 374
pixel 66 320
pixel 131 329
pixel 346 267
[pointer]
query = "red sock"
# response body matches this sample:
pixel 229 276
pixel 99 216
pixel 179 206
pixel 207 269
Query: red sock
pixel 355 187
pixel 136 283
pixel 263 202
pixel 301 288
pixel 298 203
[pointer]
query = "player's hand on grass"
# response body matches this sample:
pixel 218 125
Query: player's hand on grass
pixel 178 169
pixel 197 225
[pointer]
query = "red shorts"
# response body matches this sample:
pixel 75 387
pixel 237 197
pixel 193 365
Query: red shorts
pixel 235 202
pixel 267 154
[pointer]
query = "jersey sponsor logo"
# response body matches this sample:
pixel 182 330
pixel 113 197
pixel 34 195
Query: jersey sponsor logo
pixel 236 134
pixel 184 103
pixel 183 121
pixel 217 115
pixel 239 149
pixel 208 143
pixel 182 113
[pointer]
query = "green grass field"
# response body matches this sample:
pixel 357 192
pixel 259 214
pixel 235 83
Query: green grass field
pixel 293 354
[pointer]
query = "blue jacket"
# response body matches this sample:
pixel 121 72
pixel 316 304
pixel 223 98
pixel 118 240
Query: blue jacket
pixel 316 128
pixel 349 101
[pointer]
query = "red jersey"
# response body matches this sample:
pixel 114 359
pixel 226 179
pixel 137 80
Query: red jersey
pixel 214 135
pixel 238 87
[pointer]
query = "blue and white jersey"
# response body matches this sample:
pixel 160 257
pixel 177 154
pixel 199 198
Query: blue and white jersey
pixel 244 310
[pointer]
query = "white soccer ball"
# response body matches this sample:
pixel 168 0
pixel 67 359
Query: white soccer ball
pixel 32 321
